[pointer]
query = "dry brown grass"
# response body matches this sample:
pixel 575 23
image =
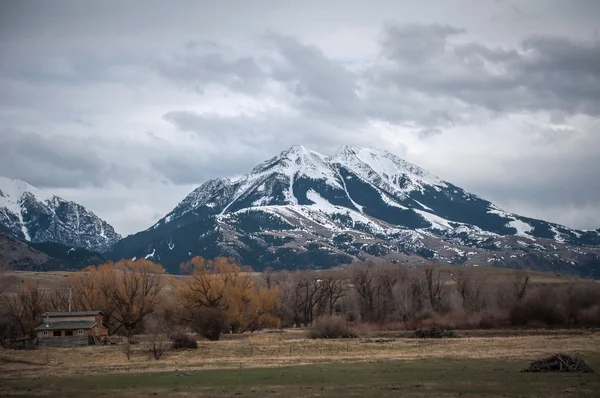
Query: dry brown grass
pixel 57 278
pixel 274 349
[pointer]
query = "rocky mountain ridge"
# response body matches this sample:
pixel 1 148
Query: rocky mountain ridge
pixel 302 209
pixel 35 216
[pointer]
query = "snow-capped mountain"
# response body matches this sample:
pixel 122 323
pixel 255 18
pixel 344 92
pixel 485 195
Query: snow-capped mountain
pixel 33 215
pixel 303 209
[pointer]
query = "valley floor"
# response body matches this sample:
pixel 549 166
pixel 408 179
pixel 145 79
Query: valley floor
pixel 288 365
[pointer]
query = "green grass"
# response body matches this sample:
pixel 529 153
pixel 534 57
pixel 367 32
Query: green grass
pixel 420 378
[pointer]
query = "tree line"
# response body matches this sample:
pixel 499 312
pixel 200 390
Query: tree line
pixel 219 295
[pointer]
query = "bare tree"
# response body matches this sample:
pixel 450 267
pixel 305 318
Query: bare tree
pixel 520 284
pixel 387 276
pixel 333 288
pixel 469 290
pixel 4 279
pixel 127 348
pixel 362 277
pixel 434 286
pixel 158 330
pixel 308 294
pixel 25 307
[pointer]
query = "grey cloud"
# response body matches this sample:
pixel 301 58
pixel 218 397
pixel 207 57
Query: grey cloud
pixel 59 161
pixel 545 74
pixel 429 79
pixel 416 43
pixel 320 85
pixel 200 68
pixel 232 145
pixel 317 84
pixel 426 133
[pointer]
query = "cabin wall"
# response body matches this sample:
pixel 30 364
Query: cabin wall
pixel 72 341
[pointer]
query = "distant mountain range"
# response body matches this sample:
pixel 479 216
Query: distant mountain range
pixel 35 216
pixel 25 256
pixel 302 209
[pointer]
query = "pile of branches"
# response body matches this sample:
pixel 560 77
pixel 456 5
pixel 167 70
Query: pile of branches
pixel 434 333
pixel 559 363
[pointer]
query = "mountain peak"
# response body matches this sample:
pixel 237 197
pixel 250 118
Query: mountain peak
pixel 37 216
pixel 302 209
pixel 384 166
pixel 297 149
pixel 14 189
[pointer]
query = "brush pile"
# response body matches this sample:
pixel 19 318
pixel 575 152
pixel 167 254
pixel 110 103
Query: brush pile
pixel 559 363
pixel 434 333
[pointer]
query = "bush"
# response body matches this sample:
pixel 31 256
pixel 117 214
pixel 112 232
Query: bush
pixel 434 333
pixel 492 318
pixel 183 341
pixel 331 327
pixel 589 317
pixel 9 333
pixel 536 310
pixel 209 323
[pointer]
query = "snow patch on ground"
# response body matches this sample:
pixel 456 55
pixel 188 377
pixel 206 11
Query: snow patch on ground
pixel 262 201
pixel 391 202
pixel 557 235
pixel 521 227
pixel 423 206
pixel 435 221
pixel 151 255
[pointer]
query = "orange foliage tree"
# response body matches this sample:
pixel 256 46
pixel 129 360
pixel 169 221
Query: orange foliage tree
pixel 126 291
pixel 228 294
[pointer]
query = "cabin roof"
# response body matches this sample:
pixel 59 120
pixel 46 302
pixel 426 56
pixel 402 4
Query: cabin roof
pixel 74 313
pixel 66 325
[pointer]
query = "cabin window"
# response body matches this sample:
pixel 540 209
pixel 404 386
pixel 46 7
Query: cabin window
pixel 68 333
pixel 56 333
pixel 80 332
pixel 45 333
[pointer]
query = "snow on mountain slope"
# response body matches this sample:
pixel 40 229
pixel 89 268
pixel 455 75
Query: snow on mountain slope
pixel 36 216
pixel 304 209
pixel 385 169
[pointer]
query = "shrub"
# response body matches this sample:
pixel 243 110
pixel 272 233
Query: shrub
pixel 181 341
pixel 434 333
pixel 539 309
pixel 9 332
pixel 209 323
pixel 590 317
pixel 493 318
pixel 331 327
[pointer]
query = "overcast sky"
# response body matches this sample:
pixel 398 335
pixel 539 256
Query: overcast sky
pixel 126 106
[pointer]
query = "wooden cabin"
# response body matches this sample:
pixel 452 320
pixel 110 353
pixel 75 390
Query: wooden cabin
pixel 72 328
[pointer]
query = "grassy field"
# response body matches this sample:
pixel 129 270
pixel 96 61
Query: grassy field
pixel 288 365
pixel 422 378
